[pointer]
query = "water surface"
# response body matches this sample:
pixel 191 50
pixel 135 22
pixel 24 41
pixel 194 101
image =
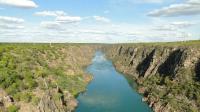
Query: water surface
pixel 109 91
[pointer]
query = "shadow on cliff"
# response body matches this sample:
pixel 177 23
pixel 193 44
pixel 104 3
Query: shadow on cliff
pixel 197 70
pixel 168 68
pixel 143 67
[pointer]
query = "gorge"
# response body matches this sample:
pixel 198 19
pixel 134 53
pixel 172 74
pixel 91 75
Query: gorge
pixel 63 77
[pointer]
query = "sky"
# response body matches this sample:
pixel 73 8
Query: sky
pixel 99 21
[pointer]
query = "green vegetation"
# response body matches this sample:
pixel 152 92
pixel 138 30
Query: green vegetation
pixel 174 93
pixel 73 84
pixel 13 108
pixel 25 68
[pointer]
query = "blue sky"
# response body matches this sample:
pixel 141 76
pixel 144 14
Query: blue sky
pixel 103 21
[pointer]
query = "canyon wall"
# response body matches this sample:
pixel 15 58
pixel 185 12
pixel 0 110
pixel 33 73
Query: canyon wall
pixel 43 77
pixel 167 74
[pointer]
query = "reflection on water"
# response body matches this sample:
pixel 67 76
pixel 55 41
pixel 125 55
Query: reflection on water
pixel 99 58
pixel 109 91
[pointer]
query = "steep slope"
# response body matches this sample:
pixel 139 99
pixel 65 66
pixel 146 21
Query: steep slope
pixel 42 77
pixel 167 74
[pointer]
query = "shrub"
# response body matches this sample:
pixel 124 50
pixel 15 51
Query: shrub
pixel 13 108
pixel 35 100
pixel 30 81
pixel 26 97
pixel 17 96
pixel 13 89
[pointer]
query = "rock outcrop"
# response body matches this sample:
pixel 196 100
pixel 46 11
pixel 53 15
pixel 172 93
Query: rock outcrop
pixel 167 75
pixel 66 102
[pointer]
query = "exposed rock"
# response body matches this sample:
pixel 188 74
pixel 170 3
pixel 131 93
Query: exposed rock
pixel 167 65
pixel 145 99
pixel 145 64
pixel 47 104
pixel 197 70
pixel 9 99
pixel 141 90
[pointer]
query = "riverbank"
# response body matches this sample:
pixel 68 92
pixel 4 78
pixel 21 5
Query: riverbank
pixel 167 73
pixel 43 77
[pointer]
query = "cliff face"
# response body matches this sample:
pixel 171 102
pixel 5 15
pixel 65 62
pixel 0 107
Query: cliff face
pixel 167 75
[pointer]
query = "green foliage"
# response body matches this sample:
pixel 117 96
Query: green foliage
pixel 17 96
pixel 26 97
pixel 24 67
pixel 13 108
pixel 35 100
pixel 30 81
pixel 74 84
pixel 57 96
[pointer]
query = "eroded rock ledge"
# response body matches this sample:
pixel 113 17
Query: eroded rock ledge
pixel 167 75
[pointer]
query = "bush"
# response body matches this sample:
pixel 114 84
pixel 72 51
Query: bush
pixel 13 108
pixel 30 83
pixel 13 89
pixel 26 97
pixel 35 100
pixel 17 96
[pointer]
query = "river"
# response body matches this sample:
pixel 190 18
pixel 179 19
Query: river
pixel 109 91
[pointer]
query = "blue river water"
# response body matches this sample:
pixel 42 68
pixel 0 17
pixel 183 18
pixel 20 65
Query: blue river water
pixel 109 91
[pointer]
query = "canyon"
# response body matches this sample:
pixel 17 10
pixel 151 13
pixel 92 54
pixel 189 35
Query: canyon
pixel 49 77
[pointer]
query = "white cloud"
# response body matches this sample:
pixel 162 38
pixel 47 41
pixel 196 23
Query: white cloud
pixel 59 17
pixel 7 19
pixel 68 19
pixel 100 33
pixel 190 7
pixel 182 24
pixel 89 29
pixel 50 13
pixel 174 26
pixel 11 26
pixel 11 23
pixel 50 25
pixel 19 3
pixel 102 19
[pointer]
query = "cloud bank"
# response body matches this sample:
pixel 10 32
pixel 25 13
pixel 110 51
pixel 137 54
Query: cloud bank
pixel 19 3
pixel 190 7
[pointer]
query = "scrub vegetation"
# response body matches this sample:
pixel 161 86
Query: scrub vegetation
pixel 29 71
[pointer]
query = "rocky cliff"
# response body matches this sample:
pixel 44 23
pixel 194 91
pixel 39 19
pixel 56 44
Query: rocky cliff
pixel 43 77
pixel 167 74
